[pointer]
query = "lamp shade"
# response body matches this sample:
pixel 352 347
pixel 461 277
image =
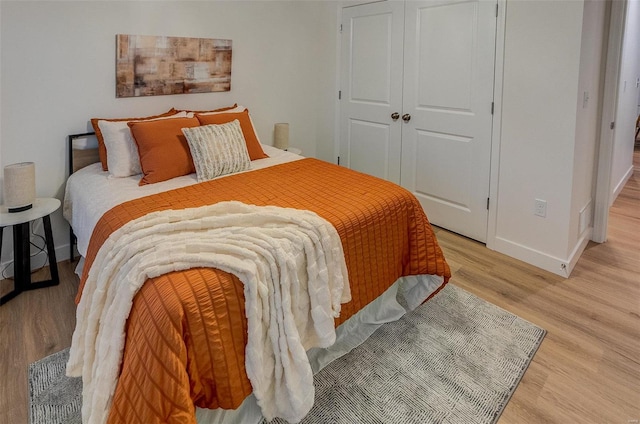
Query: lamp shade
pixel 281 136
pixel 19 186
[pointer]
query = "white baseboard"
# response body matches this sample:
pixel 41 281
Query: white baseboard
pixel 62 254
pixel 621 185
pixel 558 266
pixel 579 248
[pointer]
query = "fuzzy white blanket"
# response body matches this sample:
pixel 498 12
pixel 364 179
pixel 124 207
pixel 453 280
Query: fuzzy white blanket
pixel 292 266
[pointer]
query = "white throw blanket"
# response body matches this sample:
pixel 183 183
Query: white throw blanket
pixel 292 266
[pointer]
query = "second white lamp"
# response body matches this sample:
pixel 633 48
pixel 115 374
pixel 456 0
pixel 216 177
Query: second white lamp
pixel 281 136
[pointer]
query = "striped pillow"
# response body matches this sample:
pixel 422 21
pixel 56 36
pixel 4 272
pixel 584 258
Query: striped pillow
pixel 217 149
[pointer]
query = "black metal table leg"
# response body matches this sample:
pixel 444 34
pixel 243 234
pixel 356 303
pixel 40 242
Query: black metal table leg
pixel 21 256
pixel 22 260
pixel 51 251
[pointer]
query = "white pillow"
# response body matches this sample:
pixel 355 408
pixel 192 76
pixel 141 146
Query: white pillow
pixel 217 149
pixel 122 153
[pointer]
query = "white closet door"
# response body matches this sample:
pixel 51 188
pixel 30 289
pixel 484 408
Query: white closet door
pixel 449 56
pixel 371 86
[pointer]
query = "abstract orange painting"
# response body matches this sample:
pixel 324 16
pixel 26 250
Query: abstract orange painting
pixel 155 65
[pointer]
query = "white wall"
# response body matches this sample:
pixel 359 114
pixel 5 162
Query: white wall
pixel 1 68
pixel 58 71
pixel 587 125
pixel 540 88
pixel 626 114
pixel 326 44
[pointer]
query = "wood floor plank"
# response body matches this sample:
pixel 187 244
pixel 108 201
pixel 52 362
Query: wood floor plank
pixel 587 370
pixel 33 325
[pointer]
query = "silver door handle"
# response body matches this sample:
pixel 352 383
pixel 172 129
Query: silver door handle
pixel 406 117
pixel 395 116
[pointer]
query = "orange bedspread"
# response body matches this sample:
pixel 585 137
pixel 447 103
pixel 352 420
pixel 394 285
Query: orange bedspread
pixel 186 332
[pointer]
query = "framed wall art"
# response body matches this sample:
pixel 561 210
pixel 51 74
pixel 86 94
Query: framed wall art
pixel 149 65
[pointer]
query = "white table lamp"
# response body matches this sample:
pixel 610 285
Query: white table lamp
pixel 281 136
pixel 19 186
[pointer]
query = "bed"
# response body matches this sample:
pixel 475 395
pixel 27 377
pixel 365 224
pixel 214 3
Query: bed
pixel 186 332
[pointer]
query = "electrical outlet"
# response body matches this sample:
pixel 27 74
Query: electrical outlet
pixel 540 208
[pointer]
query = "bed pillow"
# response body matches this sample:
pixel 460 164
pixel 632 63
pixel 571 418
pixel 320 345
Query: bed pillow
pixel 122 153
pixel 163 149
pixel 253 144
pixel 230 110
pixel 217 149
pixel 222 109
pixel 102 151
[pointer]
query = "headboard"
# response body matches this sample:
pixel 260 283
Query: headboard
pixel 83 151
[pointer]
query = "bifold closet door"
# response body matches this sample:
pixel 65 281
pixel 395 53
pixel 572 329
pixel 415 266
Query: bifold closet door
pixel 371 88
pixel 449 59
pixel 416 104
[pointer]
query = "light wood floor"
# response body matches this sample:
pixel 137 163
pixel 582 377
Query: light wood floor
pixel 586 371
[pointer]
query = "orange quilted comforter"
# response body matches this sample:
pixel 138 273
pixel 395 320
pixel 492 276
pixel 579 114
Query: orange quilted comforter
pixel 186 332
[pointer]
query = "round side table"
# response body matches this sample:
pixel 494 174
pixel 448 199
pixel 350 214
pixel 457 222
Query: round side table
pixel 42 208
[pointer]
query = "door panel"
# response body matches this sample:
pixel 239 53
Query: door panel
pixel 445 56
pixel 371 76
pixel 448 89
pixel 370 80
pixel 368 147
pixel 435 179
pixel 432 60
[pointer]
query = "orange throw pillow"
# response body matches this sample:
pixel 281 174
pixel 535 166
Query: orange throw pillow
pixel 163 149
pixel 102 149
pixel 253 145
pixel 222 109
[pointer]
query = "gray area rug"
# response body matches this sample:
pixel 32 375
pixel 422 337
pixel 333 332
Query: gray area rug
pixel 54 397
pixel 455 359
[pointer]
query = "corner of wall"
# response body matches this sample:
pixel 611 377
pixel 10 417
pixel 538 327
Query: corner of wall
pixel 559 266
pixel 530 129
pixel 548 262
pixel 580 246
pixel 620 185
